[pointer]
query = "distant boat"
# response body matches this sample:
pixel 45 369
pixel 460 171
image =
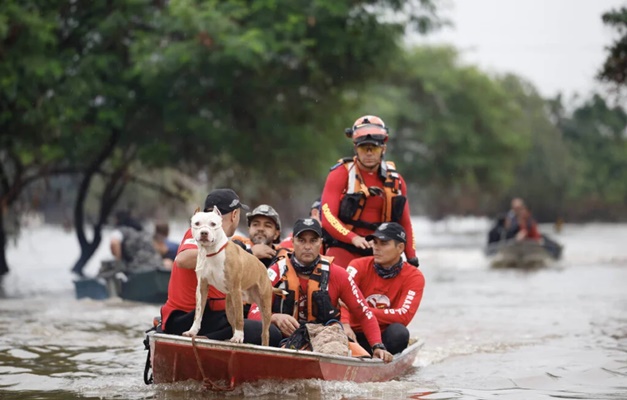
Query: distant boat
pixel 524 253
pixel 150 286
pixel 222 364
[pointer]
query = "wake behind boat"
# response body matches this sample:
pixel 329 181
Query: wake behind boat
pixel 222 364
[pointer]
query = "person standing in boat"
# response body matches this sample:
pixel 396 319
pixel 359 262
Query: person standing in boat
pixel 313 286
pixel 392 287
pixel 361 192
pixel 264 234
pixel 520 223
pixel 177 314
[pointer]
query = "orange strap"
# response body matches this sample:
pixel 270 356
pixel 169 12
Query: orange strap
pixel 357 350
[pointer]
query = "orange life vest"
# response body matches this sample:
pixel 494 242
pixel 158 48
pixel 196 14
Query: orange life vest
pixel 318 282
pixel 358 192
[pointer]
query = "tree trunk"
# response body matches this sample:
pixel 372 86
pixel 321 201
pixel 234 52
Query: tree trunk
pixel 4 266
pixel 114 186
pixel 107 202
pixel 87 248
pixel 87 252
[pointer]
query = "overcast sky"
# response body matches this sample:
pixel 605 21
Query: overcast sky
pixel 559 45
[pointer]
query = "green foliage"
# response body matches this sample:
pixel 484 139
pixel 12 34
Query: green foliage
pixel 27 70
pixel 614 68
pixel 453 127
pixel 596 133
pixel 543 173
pixel 262 81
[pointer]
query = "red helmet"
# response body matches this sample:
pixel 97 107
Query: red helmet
pixel 368 129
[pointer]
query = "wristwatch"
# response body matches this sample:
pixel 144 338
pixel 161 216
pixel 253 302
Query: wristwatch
pixel 378 346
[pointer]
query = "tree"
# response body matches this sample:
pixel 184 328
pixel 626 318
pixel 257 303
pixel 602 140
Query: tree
pixel 614 69
pixel 596 135
pixel 71 102
pixel 254 87
pixel 544 173
pixel 28 114
pixel 250 89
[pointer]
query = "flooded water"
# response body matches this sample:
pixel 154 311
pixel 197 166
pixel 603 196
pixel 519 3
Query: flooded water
pixel 558 332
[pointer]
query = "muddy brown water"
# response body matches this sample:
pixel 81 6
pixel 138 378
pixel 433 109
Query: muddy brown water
pixel 556 332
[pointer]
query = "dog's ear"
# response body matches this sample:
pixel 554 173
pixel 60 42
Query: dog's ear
pixel 217 211
pixel 197 210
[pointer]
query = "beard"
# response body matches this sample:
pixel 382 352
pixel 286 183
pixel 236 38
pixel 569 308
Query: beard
pixel 261 238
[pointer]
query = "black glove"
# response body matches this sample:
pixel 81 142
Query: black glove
pixel 414 261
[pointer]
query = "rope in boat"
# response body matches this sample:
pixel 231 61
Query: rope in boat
pixel 208 383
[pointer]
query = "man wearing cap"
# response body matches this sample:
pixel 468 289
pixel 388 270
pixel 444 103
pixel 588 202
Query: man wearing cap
pixel 362 192
pixel 392 288
pixel 264 231
pixel 314 212
pixel 313 287
pixel 177 314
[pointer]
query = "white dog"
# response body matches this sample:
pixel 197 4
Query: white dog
pixel 230 269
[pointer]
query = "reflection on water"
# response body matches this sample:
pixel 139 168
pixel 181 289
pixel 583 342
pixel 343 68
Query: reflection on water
pixel 559 332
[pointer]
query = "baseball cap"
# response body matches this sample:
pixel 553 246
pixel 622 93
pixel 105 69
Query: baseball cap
pixel 266 211
pixel 225 199
pixel 389 231
pixel 307 224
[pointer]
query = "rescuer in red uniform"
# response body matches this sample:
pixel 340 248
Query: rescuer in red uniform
pixel 361 192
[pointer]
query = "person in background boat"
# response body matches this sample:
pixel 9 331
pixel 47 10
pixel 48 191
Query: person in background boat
pixel 520 223
pixel 131 246
pixel 264 231
pixel 392 287
pixel 312 283
pixel 498 232
pixel 362 192
pixel 166 247
pixel 177 314
pixel 314 212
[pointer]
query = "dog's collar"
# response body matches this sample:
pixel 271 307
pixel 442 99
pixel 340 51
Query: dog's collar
pixel 221 248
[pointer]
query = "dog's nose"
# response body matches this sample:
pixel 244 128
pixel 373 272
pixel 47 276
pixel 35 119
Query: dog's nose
pixel 204 233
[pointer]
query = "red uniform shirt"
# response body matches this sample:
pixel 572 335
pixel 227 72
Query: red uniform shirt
pixel 182 286
pixel 390 300
pixel 336 183
pixel 341 286
pixel 528 225
pixel 287 242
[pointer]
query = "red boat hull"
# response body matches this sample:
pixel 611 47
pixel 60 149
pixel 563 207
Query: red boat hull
pixel 174 359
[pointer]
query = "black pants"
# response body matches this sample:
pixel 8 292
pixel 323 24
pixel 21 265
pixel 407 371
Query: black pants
pixel 214 325
pixel 395 338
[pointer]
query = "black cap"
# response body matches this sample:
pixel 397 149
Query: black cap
pixel 389 231
pixel 225 199
pixel 307 224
